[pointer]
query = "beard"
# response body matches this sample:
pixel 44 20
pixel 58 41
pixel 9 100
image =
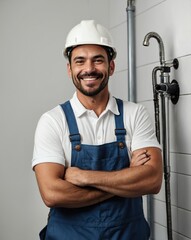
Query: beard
pixel 93 91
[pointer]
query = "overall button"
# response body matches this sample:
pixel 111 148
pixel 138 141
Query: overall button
pixel 77 147
pixel 121 144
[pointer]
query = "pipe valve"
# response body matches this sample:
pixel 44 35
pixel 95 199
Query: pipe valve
pixel 171 89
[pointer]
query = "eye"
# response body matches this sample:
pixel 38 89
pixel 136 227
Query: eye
pixel 79 62
pixel 99 60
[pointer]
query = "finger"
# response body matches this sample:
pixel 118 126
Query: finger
pixel 143 156
pixel 141 162
pixel 137 154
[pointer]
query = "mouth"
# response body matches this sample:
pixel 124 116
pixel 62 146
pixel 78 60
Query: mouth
pixel 90 77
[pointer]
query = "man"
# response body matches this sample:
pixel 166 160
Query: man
pixel 95 156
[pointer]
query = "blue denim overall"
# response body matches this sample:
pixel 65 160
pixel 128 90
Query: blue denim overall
pixel 117 218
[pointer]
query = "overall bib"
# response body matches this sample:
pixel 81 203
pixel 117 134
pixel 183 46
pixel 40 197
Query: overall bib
pixel 117 218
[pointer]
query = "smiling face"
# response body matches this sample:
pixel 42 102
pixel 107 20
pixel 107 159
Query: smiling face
pixel 90 69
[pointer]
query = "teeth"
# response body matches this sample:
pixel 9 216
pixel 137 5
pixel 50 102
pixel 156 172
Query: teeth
pixel 89 79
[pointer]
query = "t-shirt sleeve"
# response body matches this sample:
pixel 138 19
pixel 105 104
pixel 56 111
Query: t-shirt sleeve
pixel 48 142
pixel 144 134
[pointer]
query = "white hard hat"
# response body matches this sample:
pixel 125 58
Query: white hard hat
pixel 89 32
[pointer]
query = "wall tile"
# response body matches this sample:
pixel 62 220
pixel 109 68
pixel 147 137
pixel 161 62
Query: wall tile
pixel 181 163
pixel 180 237
pixel 180 127
pixel 160 214
pixel 179 18
pixel 117 12
pixel 119 34
pixel 184 193
pixel 159 232
pixel 184 219
pixel 142 6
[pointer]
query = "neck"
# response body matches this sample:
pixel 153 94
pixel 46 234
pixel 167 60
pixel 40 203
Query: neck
pixel 96 103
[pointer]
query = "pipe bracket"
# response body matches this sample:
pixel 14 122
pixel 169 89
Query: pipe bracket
pixel 174 91
pixel 175 63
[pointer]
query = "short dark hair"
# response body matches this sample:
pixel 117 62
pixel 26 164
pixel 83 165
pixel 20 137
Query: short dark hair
pixel 110 52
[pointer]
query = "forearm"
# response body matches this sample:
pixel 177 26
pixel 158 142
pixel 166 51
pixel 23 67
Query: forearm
pixel 145 177
pixel 57 192
pixel 68 195
pixel 129 182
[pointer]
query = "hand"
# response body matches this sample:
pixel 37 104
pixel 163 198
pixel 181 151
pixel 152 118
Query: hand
pixel 75 176
pixel 139 157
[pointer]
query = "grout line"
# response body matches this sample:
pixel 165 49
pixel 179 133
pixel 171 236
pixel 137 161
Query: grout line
pixel 175 206
pixel 148 9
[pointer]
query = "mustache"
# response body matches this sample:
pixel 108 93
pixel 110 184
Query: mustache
pixel 90 74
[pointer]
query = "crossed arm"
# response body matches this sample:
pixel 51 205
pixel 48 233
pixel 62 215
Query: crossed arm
pixel 74 187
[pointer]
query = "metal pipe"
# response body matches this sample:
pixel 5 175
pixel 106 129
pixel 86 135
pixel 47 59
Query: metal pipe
pixel 160 42
pixel 131 51
pixel 156 102
pixel 164 81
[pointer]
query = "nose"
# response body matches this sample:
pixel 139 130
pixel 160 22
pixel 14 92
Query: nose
pixel 89 66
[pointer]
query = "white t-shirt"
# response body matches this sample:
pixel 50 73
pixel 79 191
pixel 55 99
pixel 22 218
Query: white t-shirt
pixel 52 142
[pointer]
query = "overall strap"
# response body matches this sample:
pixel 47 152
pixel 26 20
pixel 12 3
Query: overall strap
pixel 120 131
pixel 71 120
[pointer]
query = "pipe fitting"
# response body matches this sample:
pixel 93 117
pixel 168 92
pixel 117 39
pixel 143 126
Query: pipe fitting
pixel 172 89
pixel 160 42
pixel 130 3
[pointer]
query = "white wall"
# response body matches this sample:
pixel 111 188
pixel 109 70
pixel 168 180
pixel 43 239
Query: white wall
pixel 171 19
pixel 33 79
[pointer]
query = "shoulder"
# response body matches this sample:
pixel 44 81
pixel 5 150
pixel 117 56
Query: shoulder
pixel 136 116
pixel 53 118
pixel 133 110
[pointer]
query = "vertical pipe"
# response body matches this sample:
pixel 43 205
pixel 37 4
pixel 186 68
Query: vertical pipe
pixel 131 51
pixel 166 152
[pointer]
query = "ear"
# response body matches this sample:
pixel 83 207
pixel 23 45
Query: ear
pixel 111 67
pixel 69 70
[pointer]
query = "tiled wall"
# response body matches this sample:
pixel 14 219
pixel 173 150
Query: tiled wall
pixel 171 19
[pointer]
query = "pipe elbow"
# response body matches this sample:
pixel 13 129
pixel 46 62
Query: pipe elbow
pixel 150 35
pixel 160 42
